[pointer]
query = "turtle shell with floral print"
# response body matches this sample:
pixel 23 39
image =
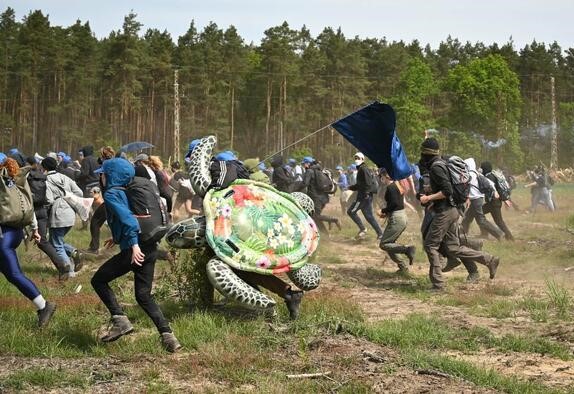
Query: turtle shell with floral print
pixel 253 227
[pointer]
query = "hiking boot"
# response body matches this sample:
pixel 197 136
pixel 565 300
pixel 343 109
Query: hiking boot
pixel 44 315
pixel 473 277
pixel 493 266
pixel 63 276
pixel 379 237
pixel 170 342
pixel 411 250
pixel 293 302
pixel 402 271
pixel 361 235
pixel 450 265
pixel 120 326
pixel 77 259
pixel 437 290
pixel 338 224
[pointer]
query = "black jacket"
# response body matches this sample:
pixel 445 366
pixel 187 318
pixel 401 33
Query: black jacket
pixel 89 165
pixel 366 183
pixel 281 179
pixel 310 186
pixel 440 181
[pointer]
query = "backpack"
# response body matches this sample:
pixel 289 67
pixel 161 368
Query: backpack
pixel 37 183
pixel 16 207
pixel 373 181
pixel 324 181
pixel 484 187
pixel 148 208
pixel 459 178
pixel 502 186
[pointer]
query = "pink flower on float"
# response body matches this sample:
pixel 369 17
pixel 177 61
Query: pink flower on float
pixel 226 211
pixel 263 262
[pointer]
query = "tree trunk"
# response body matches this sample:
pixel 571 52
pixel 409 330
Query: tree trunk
pixel 232 114
pixel 268 119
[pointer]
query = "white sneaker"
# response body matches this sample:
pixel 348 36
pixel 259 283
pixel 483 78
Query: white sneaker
pixel 361 234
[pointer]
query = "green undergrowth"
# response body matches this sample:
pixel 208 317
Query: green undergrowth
pixel 424 332
pixel 43 378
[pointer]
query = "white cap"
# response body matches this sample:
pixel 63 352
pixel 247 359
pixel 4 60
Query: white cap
pixel 360 155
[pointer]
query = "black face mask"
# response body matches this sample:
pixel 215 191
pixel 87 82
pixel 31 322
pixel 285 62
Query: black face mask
pixel 424 162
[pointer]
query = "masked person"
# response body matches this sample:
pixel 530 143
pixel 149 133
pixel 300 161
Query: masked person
pixel 444 227
pixel 365 187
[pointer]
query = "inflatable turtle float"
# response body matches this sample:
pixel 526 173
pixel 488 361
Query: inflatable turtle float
pixel 251 227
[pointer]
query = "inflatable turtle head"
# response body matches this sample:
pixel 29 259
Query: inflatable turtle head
pixel 187 234
pixel 200 159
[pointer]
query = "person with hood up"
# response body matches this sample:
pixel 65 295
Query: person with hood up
pixel 86 178
pixel 477 200
pixel 255 172
pixel 62 217
pixel 134 256
pixel 281 179
pixel 365 187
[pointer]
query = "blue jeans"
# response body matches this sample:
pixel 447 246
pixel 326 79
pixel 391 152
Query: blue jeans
pixel 63 249
pixel 364 205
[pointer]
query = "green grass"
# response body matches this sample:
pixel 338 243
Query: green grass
pixel 418 359
pixel 42 378
pixel 424 332
pixel 560 298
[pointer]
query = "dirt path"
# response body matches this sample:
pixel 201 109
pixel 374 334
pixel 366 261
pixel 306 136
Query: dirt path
pixel 357 269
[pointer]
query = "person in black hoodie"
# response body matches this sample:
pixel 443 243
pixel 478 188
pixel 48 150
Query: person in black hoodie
pixel 87 179
pixel 281 178
pixel 365 187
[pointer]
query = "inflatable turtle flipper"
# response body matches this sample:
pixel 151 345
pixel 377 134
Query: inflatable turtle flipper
pixel 231 286
pixel 305 202
pixel 200 160
pixel 307 277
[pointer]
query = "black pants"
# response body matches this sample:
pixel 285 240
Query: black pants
pixel 475 211
pixel 98 219
pixel 44 245
pixel 119 265
pixel 495 209
pixel 318 216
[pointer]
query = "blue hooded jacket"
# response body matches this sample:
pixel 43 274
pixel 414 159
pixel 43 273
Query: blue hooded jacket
pixel 124 226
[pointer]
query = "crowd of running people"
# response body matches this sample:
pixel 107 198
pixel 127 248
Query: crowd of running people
pixel 103 175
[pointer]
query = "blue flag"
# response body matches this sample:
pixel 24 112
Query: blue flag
pixel 372 131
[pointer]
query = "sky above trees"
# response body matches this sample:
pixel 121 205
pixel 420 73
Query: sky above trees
pixel 427 21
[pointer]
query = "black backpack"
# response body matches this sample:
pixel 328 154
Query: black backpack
pixel 37 182
pixel 148 208
pixel 325 182
pixel 459 178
